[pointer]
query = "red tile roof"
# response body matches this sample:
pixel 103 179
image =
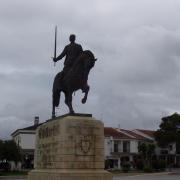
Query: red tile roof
pixel 128 134
pixel 137 136
pixel 109 131
pixel 147 132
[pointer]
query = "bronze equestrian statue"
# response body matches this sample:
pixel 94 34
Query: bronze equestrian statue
pixel 74 75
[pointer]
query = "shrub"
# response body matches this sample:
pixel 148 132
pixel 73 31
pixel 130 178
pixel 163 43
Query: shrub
pixel 148 169
pixel 126 167
pixel 108 164
pixel 162 165
pixel 139 164
pixel 159 164
pixel 5 166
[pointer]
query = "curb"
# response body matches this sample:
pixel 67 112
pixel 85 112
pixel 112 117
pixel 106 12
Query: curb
pixel 174 173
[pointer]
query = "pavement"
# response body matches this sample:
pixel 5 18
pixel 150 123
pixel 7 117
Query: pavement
pixel 154 176
pixel 174 174
pixel 175 171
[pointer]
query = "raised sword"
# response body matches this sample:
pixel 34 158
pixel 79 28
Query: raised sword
pixel 55 43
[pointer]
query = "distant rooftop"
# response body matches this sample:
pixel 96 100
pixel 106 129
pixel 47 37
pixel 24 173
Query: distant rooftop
pixel 112 132
pixel 29 128
pixel 147 132
pixel 139 134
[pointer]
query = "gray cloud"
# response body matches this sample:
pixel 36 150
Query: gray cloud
pixel 135 80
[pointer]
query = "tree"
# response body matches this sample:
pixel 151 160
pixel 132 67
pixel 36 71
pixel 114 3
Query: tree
pixel 9 151
pixel 169 131
pixel 1 149
pixel 142 148
pixel 146 151
pixel 150 150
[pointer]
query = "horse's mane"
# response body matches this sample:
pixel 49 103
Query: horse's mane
pixel 81 57
pixel 75 68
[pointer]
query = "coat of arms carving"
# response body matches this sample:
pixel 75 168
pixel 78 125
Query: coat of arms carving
pixel 85 145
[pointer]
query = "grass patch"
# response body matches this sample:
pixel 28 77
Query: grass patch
pixel 116 172
pixel 13 173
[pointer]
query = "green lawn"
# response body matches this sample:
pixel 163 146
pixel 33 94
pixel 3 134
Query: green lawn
pixel 14 173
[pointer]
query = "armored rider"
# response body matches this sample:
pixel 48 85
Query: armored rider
pixel 70 52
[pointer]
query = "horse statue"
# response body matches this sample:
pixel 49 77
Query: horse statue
pixel 74 79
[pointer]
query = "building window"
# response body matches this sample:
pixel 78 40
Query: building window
pixel 116 146
pixel 171 147
pixel 164 151
pixel 126 146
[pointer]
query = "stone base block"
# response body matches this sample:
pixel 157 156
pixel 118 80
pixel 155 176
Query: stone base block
pixel 61 174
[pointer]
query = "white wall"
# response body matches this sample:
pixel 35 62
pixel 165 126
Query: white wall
pixel 107 146
pixel 173 150
pixel 133 146
pixel 15 166
pixel 27 141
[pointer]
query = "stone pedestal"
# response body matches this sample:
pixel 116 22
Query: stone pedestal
pixel 70 148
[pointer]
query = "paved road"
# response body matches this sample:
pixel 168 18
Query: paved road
pixel 149 177
pixel 162 176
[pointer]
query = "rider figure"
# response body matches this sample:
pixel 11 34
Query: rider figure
pixel 71 51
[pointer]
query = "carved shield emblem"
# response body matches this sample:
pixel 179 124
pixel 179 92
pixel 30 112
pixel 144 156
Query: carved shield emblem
pixel 85 145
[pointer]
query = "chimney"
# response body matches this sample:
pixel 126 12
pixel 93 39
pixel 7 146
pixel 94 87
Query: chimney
pixel 36 120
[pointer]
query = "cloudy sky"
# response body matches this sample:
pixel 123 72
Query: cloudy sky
pixel 135 81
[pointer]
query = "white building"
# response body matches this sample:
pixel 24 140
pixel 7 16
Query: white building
pixel 120 145
pixel 25 139
pixel 169 154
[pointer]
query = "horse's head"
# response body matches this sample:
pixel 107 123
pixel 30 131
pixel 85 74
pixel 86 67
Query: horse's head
pixel 89 61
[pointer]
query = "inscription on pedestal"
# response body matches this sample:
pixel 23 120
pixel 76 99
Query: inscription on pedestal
pixel 46 132
pixel 70 148
pixel 70 144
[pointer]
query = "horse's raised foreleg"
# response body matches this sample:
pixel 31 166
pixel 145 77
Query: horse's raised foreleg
pixel 85 89
pixel 68 101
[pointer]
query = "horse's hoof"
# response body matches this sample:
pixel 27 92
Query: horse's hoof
pixel 83 101
pixel 71 112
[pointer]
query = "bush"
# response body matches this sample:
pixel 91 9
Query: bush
pixel 155 164
pixel 162 165
pixel 126 167
pixel 5 166
pixel 139 164
pixel 148 169
pixel 159 165
pixel 108 164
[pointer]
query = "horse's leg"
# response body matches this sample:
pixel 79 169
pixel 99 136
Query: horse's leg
pixel 55 102
pixel 68 101
pixel 53 106
pixel 85 89
pixel 53 111
pixel 57 84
